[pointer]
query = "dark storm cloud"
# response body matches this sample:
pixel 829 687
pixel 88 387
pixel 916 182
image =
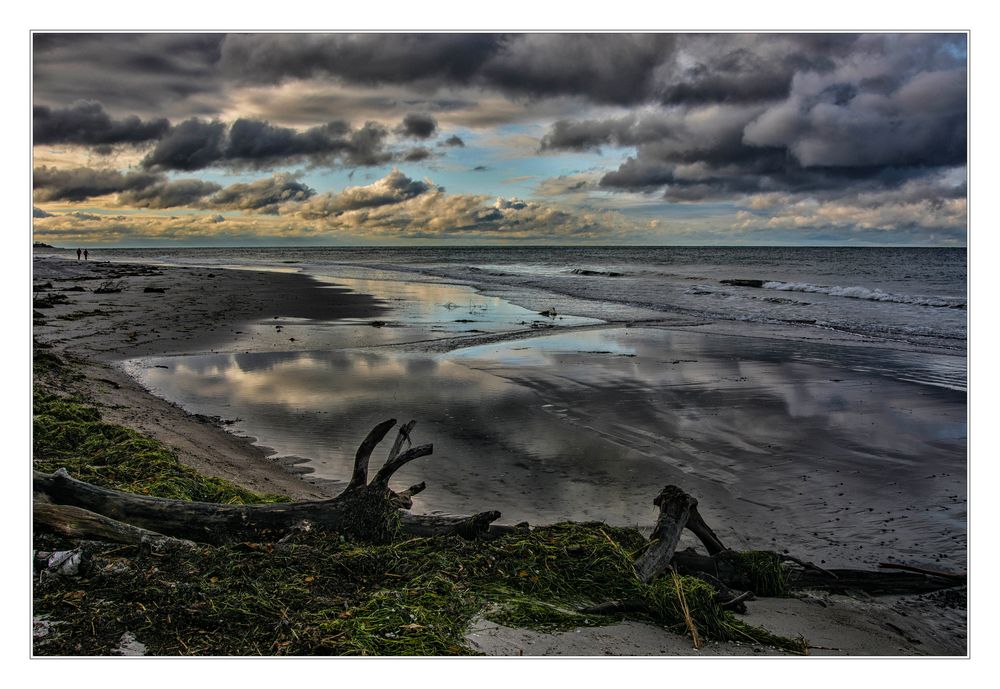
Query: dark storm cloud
pixel 357 58
pixel 164 194
pixel 130 72
pixel 418 126
pixel 747 68
pixel 87 123
pixel 890 112
pixel 581 135
pixel 191 145
pixel 197 144
pixel 138 72
pixel 923 122
pixel 607 68
pixel 39 213
pixel 78 184
pixel 366 146
pixel 453 140
pixel 672 69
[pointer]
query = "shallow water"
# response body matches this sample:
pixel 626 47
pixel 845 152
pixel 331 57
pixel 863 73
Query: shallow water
pixel 912 295
pixel 833 449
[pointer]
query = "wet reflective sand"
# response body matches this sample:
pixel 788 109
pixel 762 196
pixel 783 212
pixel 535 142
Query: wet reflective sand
pixel 835 450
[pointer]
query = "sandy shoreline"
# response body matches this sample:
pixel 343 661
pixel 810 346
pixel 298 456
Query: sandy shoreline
pixel 206 311
pixel 200 311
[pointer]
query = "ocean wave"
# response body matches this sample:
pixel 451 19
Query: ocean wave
pixel 865 293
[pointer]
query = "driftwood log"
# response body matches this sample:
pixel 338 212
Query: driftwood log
pixel 371 510
pixel 721 566
pixel 365 509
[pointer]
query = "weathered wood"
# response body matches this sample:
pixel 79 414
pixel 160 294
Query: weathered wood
pixel 397 462
pixel 198 521
pixel 402 436
pixel 873 582
pixel 76 522
pixel 675 506
pixel 363 509
pixel 724 568
pixel 696 524
pixel 404 499
pixel 475 526
pixel 360 476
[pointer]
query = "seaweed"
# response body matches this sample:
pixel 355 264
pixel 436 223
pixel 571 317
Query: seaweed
pixel 72 435
pixel 762 571
pixel 317 593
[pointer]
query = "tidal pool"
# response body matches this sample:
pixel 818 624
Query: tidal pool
pixel 837 450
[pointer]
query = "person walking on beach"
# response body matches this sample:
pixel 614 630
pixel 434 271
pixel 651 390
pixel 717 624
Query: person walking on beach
pixel 86 255
pixel 77 254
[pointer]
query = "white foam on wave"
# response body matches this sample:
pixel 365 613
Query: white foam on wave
pixel 864 293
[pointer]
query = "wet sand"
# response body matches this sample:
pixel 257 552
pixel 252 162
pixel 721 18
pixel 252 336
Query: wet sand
pixel 839 454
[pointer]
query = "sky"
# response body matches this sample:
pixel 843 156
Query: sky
pixel 433 139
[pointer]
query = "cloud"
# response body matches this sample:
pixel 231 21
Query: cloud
pixel 356 58
pixel 839 121
pixel 202 73
pixel 191 145
pixel 605 68
pixel 567 184
pixel 86 123
pixel 160 74
pixel 828 122
pixel 864 120
pixel 164 194
pixel 264 195
pixel 394 188
pixel 417 154
pixel 155 191
pixel 418 126
pixel 366 146
pixel 78 184
pixel 398 208
pixel 39 213
pixel 197 144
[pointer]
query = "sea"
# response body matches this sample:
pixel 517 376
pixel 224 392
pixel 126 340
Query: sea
pixel 809 396
pixel 908 295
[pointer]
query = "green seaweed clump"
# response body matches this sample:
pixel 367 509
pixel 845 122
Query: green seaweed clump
pixel 71 435
pixel 698 598
pixel 762 571
pixel 318 594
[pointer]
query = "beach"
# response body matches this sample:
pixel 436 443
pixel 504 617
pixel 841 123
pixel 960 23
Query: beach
pixel 839 449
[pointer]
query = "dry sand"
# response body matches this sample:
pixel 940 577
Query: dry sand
pixel 211 310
